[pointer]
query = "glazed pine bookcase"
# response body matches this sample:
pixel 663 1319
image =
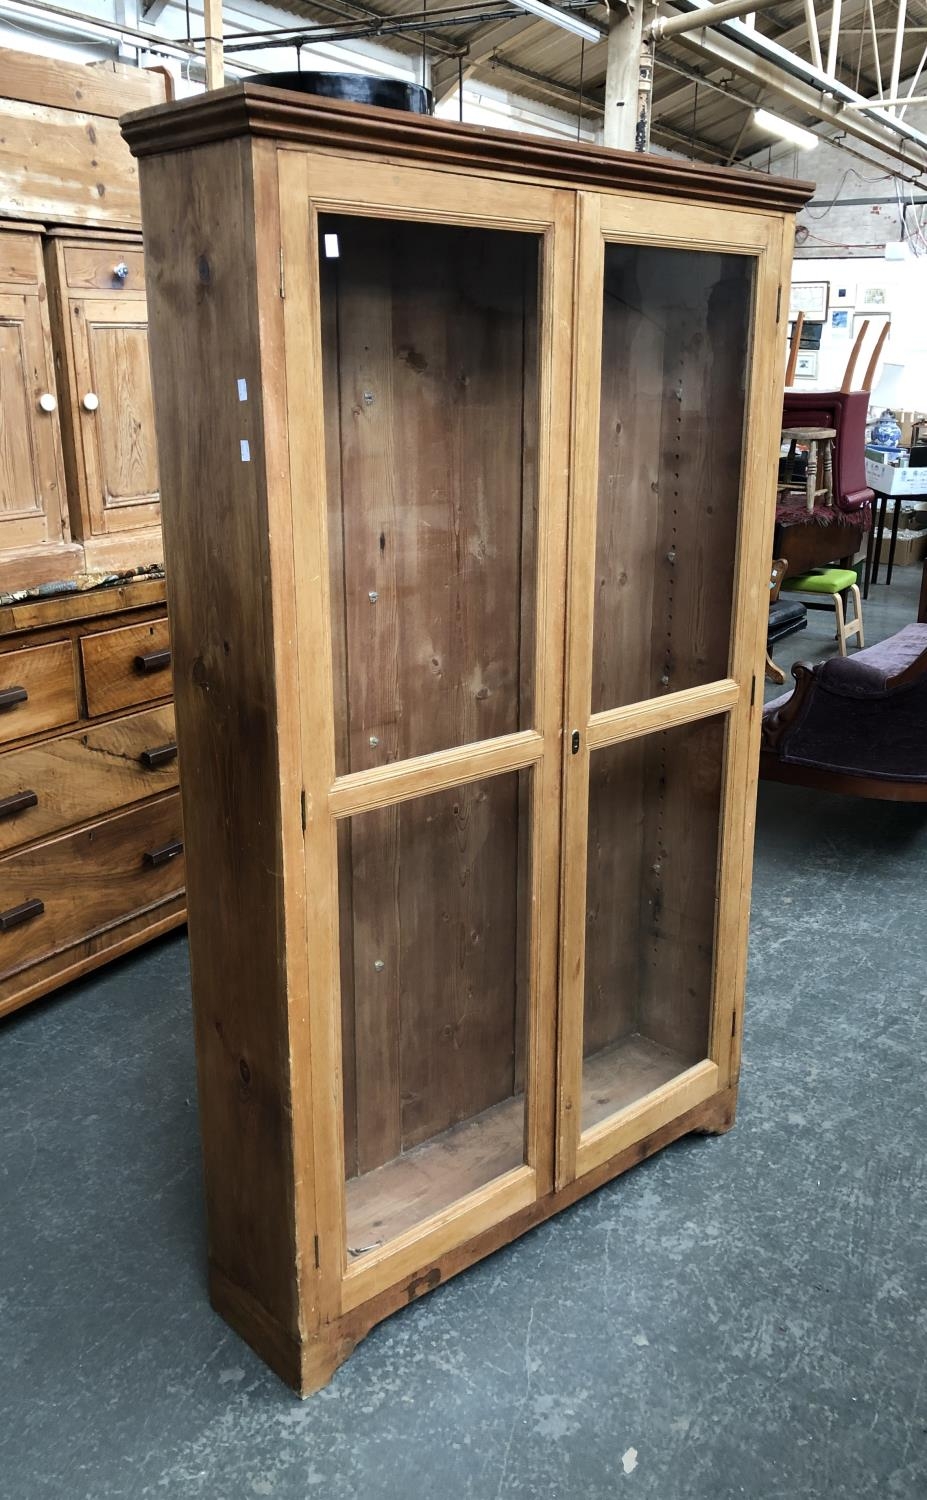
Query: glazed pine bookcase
pixel 467 445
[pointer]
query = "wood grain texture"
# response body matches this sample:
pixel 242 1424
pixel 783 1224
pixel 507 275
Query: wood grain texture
pixel 65 609
pixel 88 881
pixel 57 969
pixel 92 267
pixel 47 675
pixel 112 677
pixel 387 1202
pixel 110 451
pixel 65 168
pixel 429 326
pixel 118 437
pixel 202 289
pixel 20 257
pixel 33 502
pixel 108 89
pixel 333 124
pixel 81 776
pixel 271 648
pixel 674 353
pixel 435 887
pixel 62 157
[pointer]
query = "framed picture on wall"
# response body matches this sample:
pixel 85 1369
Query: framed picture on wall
pixel 807 367
pixel 872 298
pixel 811 298
pixel 840 322
pixel 876 322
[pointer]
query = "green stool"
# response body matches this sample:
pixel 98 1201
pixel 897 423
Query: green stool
pixel 835 582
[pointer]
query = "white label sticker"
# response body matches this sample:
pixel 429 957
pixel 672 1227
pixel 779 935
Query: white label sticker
pixel 331 246
pixel 242 390
pixel 245 451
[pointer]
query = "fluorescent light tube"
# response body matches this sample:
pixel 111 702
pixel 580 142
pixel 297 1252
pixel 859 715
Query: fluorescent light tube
pixel 563 18
pixel 775 125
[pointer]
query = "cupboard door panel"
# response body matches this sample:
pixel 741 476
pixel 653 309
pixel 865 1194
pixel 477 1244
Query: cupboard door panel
pixel 115 414
pixel 651 878
pixel 675 330
pixel 674 477
pixel 430 362
pixel 434 933
pixel 30 443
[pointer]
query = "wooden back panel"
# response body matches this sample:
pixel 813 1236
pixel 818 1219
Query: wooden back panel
pixel 62 156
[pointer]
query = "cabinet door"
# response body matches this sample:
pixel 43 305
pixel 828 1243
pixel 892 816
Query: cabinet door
pixel 678 396
pixel 427 351
pixel 31 493
pixel 114 415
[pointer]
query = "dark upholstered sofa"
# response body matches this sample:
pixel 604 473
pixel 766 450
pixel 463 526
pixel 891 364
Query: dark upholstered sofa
pixel 855 724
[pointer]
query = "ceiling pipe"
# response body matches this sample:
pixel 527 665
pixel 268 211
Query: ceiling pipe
pixel 710 15
pixel 796 67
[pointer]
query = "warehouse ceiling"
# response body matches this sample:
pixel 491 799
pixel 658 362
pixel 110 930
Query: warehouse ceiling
pixel 701 106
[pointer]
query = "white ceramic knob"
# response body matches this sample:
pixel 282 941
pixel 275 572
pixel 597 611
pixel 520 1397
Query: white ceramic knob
pixel 47 402
pixel 121 271
pixel 90 401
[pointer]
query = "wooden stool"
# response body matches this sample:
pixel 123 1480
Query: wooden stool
pixel 835 582
pixel 812 436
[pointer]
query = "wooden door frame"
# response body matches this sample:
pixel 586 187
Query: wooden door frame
pixel 47 523
pixel 628 218
pixel 309 184
pixel 82 315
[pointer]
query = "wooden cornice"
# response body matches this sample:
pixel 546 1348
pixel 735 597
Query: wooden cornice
pixel 332 124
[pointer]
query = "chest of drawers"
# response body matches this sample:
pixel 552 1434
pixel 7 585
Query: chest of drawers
pixel 91 844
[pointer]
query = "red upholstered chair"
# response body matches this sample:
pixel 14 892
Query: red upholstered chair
pixel 846 411
pixel 832 534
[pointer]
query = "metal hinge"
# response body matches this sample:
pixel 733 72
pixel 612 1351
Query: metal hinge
pixel 778 304
pixel 574 742
pixel 318 1262
pixel 283 277
pixel 734 1024
pixel 302 808
pixel 753 691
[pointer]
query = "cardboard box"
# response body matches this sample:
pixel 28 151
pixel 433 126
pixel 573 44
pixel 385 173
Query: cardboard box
pixel 890 481
pixel 911 548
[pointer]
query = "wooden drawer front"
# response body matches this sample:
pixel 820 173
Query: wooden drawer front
pixel 45 674
pixel 89 267
pixel 20 259
pixel 58 783
pixel 54 894
pixel 126 666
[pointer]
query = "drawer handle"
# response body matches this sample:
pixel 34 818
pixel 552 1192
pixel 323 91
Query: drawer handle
pixel 165 854
pixel 153 661
pixel 9 697
pixel 18 914
pixel 120 272
pixel 159 755
pixel 17 803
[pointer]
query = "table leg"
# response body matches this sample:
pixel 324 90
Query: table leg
pixel 870 550
pixel 896 516
pixel 881 503
pixel 829 471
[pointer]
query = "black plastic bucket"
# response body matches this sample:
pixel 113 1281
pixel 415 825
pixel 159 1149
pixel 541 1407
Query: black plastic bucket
pixel 358 88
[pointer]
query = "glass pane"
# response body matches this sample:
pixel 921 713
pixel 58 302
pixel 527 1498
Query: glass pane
pixel 675 329
pixel 654 828
pixel 429 338
pixel 434 913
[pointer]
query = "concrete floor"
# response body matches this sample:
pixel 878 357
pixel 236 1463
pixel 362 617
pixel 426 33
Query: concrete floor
pixel 748 1313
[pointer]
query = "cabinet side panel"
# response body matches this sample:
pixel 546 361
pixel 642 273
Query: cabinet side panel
pixel 202 290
